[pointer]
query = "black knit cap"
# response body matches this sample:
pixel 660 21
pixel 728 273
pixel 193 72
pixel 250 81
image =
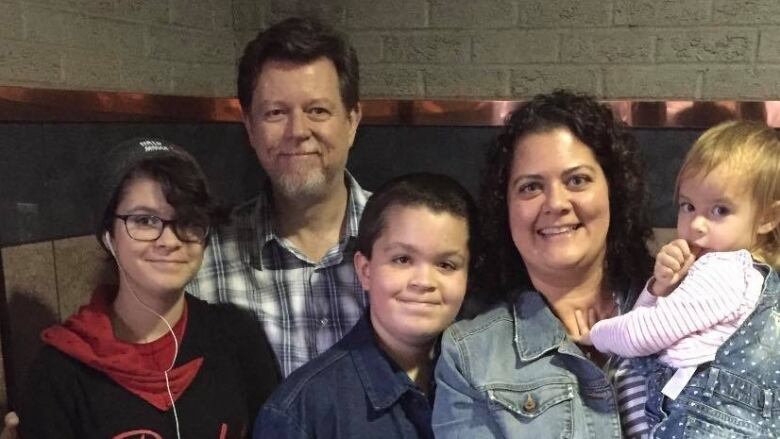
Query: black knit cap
pixel 121 160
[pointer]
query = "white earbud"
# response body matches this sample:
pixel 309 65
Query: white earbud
pixel 107 242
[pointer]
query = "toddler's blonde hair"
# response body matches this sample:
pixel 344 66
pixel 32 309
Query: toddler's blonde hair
pixel 751 152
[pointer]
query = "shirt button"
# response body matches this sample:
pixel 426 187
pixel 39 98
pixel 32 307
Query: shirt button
pixel 530 404
pixel 323 322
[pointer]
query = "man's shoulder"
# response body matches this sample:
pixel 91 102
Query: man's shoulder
pixel 358 195
pixel 242 215
pixel 240 227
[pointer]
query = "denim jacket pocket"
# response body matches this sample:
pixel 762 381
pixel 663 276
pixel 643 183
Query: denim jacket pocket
pixel 536 411
pixel 708 422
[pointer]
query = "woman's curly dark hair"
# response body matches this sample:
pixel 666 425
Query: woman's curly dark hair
pixel 627 260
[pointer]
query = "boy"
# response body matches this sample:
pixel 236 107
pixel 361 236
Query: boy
pixel 412 258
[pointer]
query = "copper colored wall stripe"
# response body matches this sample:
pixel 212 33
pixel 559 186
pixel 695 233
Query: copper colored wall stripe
pixel 21 104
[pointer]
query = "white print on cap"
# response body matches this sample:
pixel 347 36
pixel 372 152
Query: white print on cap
pixel 153 145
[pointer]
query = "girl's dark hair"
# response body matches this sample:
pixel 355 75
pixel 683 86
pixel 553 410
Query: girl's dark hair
pixel 183 185
pixel 628 263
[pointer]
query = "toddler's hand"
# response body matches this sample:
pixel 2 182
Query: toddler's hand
pixel 584 323
pixel 671 266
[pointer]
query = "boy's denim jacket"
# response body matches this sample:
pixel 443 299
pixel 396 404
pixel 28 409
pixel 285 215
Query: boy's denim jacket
pixel 512 372
pixel 738 394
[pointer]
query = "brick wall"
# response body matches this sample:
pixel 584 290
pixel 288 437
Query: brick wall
pixel 703 49
pixel 184 47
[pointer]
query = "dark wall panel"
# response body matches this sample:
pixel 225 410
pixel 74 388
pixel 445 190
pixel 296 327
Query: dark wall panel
pixel 46 169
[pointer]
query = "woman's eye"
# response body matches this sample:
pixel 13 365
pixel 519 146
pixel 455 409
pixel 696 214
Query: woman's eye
pixel 529 188
pixel 579 180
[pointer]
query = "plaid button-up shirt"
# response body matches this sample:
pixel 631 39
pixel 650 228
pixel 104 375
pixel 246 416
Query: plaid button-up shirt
pixel 304 306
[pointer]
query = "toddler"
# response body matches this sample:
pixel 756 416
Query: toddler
pixel 709 315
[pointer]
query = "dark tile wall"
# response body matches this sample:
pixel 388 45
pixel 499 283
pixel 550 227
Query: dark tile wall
pixel 46 169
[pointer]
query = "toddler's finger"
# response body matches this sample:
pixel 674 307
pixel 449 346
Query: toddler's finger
pixel 582 324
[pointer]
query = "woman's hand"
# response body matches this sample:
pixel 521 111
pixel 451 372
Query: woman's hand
pixel 671 266
pixel 11 422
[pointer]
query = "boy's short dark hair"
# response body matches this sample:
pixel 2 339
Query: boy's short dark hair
pixel 299 40
pixel 436 192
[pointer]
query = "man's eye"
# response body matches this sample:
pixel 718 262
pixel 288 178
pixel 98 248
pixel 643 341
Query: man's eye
pixel 274 113
pixel 319 113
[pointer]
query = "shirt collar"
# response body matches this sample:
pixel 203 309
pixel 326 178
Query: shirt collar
pixel 383 381
pixel 537 330
pixel 263 223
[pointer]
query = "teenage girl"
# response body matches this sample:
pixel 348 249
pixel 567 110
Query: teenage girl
pixel 144 358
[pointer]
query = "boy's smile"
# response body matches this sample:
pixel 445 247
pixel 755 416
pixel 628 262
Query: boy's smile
pixel 416 277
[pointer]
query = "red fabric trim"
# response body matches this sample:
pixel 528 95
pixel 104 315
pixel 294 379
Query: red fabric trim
pixel 88 337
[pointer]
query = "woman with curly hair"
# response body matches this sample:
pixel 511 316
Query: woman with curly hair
pixel 563 202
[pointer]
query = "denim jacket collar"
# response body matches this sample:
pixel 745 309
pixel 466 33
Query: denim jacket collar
pixel 383 382
pixel 537 330
pixel 769 291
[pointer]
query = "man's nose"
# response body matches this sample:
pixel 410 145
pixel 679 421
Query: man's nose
pixel 298 125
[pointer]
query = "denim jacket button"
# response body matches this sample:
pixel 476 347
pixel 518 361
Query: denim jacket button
pixel 530 404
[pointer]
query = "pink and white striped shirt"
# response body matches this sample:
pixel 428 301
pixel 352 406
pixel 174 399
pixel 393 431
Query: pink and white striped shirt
pixel 688 326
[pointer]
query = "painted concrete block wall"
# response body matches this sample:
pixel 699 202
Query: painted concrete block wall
pixel 699 49
pixel 643 49
pixel 182 47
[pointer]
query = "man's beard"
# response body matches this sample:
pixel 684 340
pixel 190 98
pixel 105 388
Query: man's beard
pixel 313 183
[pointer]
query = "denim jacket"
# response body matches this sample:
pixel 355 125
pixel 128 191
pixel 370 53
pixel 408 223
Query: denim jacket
pixel 738 394
pixel 353 390
pixel 512 372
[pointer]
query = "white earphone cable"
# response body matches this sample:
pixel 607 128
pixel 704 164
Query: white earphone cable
pixel 173 334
